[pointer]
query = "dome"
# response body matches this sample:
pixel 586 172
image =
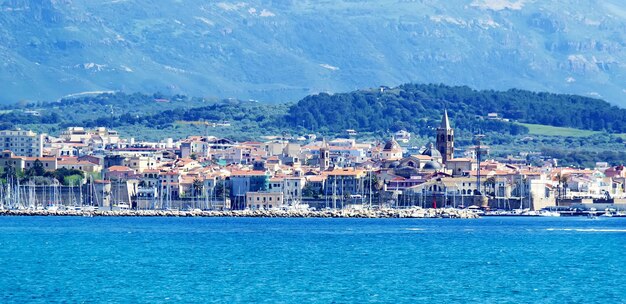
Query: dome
pixel 392 145
pixel 406 171
pixel 432 152
pixel 432 165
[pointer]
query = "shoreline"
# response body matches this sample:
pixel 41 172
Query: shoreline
pixel 382 213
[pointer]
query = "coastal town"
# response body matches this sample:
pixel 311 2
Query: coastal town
pixel 98 170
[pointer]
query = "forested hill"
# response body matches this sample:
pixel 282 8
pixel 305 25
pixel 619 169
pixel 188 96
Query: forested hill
pixel 418 108
pixel 413 107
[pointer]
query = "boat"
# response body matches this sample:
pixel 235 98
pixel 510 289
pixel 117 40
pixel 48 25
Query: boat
pixel 120 207
pixel 548 213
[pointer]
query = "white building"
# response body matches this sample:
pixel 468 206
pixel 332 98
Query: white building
pixel 22 143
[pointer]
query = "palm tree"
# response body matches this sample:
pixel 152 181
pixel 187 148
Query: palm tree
pixel 197 186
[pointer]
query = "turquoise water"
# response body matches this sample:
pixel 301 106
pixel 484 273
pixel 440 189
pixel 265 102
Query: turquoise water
pixel 490 260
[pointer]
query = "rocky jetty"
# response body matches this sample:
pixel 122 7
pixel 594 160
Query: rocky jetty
pixel 364 213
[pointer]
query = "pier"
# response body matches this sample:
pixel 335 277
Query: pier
pixel 378 213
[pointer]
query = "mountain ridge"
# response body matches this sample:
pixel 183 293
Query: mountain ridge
pixel 283 51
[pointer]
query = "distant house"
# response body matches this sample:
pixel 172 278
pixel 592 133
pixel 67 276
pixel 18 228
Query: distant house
pixel 264 200
pixel 403 136
pixel 119 172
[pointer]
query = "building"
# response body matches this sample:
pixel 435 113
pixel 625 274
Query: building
pixel 391 151
pixel 324 156
pixel 403 136
pixel 264 200
pixel 461 166
pixel 77 164
pixel 22 143
pixel 242 182
pixel 119 173
pixel 22 163
pixel 345 181
pixel 100 135
pixel 445 139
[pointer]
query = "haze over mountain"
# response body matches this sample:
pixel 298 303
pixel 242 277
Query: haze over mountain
pixel 284 50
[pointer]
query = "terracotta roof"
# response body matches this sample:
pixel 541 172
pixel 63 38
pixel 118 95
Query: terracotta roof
pixel 74 162
pixel 169 173
pixel 315 178
pixel 246 173
pixel 119 169
pixel 344 172
pixel 43 159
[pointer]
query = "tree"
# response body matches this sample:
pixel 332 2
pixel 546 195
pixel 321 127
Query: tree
pixel 9 173
pixel 66 176
pixel 72 180
pixel 197 186
pixel 562 179
pixel 490 185
pixel 221 189
pixel 310 191
pixel 36 170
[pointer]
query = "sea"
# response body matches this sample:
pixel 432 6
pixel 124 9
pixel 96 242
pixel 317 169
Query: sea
pixel 281 260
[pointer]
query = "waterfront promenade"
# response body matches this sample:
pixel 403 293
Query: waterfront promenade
pixel 379 213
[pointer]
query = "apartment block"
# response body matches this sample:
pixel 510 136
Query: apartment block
pixel 22 143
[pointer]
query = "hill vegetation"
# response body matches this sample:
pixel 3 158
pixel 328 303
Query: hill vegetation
pixel 573 127
pixel 418 108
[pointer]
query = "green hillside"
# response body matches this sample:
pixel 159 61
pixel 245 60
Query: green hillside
pixel 418 107
pixel 544 130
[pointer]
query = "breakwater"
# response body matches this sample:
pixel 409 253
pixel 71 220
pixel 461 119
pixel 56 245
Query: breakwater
pixel 365 213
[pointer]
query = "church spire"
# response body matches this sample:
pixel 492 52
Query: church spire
pixel 445 138
pixel 445 122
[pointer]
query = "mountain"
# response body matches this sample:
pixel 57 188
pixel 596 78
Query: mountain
pixel 280 51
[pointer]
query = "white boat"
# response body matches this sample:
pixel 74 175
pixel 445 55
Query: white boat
pixel 120 207
pixel 549 213
pixel 90 208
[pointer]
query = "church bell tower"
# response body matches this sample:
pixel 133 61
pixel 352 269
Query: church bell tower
pixel 324 156
pixel 445 138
